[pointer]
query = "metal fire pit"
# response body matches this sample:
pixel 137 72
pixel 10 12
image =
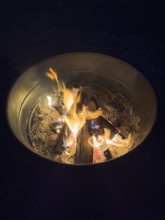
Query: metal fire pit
pixel 129 93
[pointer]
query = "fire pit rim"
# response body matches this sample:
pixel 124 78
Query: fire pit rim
pixel 84 54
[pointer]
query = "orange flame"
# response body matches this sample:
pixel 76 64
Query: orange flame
pixel 52 75
pixel 76 120
pixel 68 95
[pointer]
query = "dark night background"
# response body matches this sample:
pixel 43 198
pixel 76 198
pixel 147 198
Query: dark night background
pixel 132 187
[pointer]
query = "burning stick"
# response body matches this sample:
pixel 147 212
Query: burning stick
pixel 99 124
pixel 84 152
pixel 91 144
pixel 103 124
pixel 58 144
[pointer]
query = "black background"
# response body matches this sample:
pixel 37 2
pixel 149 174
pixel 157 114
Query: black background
pixel 132 187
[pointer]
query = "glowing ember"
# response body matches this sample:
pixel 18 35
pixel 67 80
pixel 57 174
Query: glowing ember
pixel 75 119
pixel 98 155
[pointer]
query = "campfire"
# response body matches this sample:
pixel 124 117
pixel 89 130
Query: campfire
pixel 81 108
pixel 78 126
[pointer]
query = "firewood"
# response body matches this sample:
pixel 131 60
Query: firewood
pixel 84 152
pixel 57 149
pixel 103 124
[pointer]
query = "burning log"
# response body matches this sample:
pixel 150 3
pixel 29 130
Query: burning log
pixel 81 110
pixel 84 152
pixel 79 125
pixel 57 149
pixel 103 124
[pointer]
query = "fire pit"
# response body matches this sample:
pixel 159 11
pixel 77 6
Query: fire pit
pixel 81 108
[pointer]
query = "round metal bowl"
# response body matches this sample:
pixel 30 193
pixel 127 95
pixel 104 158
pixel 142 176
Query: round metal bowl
pixel 81 68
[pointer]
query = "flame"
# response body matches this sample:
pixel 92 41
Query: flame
pixel 53 76
pixel 98 155
pixel 68 95
pixel 49 100
pixel 118 141
pixel 100 141
pixel 94 126
pixel 69 141
pixel 76 119
pixel 104 141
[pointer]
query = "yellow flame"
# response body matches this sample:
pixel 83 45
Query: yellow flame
pixel 91 115
pixel 76 120
pixel 68 95
pixel 73 119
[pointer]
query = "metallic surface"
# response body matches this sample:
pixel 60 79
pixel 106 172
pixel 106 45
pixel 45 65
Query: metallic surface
pixel 72 67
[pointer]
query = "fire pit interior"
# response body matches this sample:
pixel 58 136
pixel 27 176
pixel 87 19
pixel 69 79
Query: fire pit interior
pixel 81 108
